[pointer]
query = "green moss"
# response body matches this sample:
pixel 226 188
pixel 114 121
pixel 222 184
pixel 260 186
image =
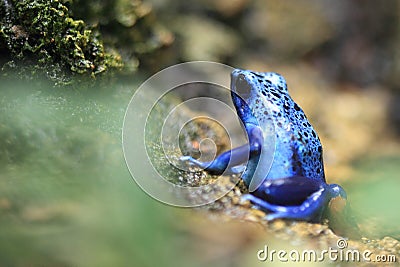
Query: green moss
pixel 130 27
pixel 55 38
pixel 41 37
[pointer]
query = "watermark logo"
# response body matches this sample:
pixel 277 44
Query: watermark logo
pixel 204 88
pixel 340 253
pixel 341 243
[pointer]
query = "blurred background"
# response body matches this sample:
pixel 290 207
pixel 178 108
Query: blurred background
pixel 66 196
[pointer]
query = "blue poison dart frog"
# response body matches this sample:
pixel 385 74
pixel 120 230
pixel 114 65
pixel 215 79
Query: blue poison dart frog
pixel 295 186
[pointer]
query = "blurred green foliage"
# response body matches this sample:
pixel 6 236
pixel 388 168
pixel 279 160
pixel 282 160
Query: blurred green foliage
pixel 66 196
pixel 374 195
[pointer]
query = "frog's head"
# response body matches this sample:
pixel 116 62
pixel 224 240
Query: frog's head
pixel 255 94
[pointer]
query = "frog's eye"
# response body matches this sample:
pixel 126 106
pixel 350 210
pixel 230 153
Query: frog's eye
pixel 242 87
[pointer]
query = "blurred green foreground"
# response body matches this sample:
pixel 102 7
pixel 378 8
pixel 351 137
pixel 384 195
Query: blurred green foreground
pixel 66 196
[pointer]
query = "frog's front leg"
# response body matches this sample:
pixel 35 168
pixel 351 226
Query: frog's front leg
pixel 297 198
pixel 232 159
pixel 228 160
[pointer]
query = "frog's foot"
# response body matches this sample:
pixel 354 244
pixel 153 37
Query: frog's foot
pixel 237 169
pixel 311 209
pixel 193 162
pixel 229 162
pixel 213 167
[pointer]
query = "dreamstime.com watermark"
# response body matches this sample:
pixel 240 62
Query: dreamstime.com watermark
pixel 341 253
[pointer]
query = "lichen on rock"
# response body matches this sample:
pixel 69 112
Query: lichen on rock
pixel 41 37
pixel 60 39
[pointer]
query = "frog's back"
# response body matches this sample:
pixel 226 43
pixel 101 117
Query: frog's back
pixel 298 145
pixel 298 150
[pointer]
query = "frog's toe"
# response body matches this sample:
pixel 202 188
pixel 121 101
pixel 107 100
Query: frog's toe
pixel 273 216
pixel 237 169
pixel 262 204
pixel 194 162
pixel 305 215
pixel 189 160
pixel 185 159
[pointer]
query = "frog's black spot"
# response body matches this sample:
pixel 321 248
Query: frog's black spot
pixel 286 107
pixel 265 112
pixel 320 149
pixel 304 124
pixel 279 114
pixel 275 94
pixel 258 75
pixel 314 143
pixel 318 170
pixel 305 134
pixel 259 80
pixel 280 87
pixel 264 92
pixel 296 107
pixel 313 133
pixel 279 124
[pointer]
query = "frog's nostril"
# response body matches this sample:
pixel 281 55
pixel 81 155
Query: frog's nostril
pixel 242 86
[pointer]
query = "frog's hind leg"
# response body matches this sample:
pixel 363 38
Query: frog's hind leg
pixel 310 209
